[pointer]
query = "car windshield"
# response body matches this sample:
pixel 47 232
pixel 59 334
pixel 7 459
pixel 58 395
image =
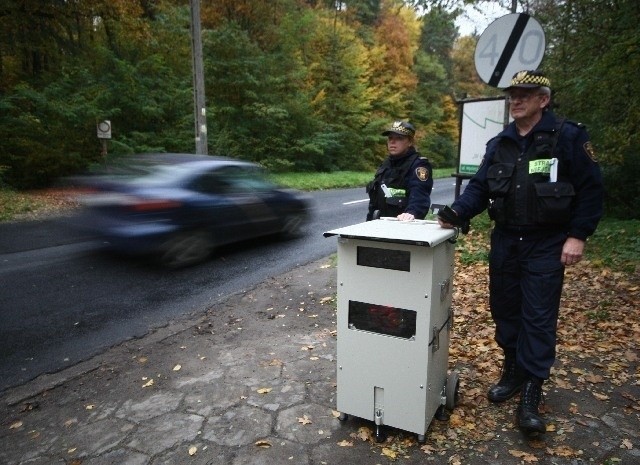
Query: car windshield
pixel 227 179
pixel 163 174
pixel 231 180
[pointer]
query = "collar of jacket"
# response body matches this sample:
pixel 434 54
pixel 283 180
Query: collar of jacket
pixel 546 124
pixel 395 160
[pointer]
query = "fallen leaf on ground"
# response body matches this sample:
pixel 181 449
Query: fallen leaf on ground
pixel 525 456
pixel 428 449
pixel 364 433
pixel 389 453
pixel 563 451
pixel 591 378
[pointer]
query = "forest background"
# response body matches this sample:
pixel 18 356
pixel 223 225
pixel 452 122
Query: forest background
pixel 296 85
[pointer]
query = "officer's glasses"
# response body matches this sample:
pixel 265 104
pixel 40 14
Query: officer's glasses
pixel 522 96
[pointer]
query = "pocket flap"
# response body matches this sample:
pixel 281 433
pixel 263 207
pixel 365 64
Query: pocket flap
pixel 500 170
pixel 395 201
pixel 554 189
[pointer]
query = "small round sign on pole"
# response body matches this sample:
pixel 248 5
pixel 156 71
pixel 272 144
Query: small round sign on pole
pixel 104 133
pixel 512 43
pixel 104 129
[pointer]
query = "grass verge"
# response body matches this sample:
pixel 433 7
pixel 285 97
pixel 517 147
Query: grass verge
pixel 13 204
pixel 337 179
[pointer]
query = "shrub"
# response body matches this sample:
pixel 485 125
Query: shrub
pixel 622 187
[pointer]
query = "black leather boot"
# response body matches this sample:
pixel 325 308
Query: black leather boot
pixel 510 382
pixel 527 416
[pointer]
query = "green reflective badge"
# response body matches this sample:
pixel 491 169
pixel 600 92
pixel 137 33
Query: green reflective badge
pixel 540 167
pixel 397 192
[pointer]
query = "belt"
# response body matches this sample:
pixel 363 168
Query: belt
pixel 530 232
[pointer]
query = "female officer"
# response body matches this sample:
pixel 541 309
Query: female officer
pixel 402 184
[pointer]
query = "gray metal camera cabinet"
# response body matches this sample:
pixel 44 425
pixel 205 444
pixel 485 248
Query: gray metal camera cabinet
pixel 394 317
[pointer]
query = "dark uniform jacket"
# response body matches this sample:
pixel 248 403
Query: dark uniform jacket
pixel 410 178
pixel 513 181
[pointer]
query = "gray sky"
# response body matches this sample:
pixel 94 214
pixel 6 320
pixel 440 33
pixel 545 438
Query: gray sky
pixel 472 19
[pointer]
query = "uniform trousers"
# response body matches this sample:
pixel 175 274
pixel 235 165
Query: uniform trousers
pixel 525 285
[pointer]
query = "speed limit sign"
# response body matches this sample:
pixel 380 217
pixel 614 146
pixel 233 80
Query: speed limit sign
pixel 512 43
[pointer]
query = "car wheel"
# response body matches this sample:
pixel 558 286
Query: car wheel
pixel 186 248
pixel 293 225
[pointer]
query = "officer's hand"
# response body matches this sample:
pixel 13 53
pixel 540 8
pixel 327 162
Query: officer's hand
pixel 406 217
pixel 444 224
pixel 572 251
pixel 448 218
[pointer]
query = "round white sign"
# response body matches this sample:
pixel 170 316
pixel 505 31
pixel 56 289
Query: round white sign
pixel 512 43
pixel 104 129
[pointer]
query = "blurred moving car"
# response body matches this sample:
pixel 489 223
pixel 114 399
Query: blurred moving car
pixel 180 207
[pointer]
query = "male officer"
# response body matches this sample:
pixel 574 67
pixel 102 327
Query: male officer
pixel 543 188
pixel 402 184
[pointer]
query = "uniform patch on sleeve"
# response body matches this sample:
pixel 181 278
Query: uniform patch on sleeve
pixel 422 173
pixel 588 148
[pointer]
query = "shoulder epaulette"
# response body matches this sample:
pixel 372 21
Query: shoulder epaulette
pixel 574 123
pixel 493 139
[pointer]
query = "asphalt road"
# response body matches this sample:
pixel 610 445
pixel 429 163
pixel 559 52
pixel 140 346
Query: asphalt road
pixel 62 300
